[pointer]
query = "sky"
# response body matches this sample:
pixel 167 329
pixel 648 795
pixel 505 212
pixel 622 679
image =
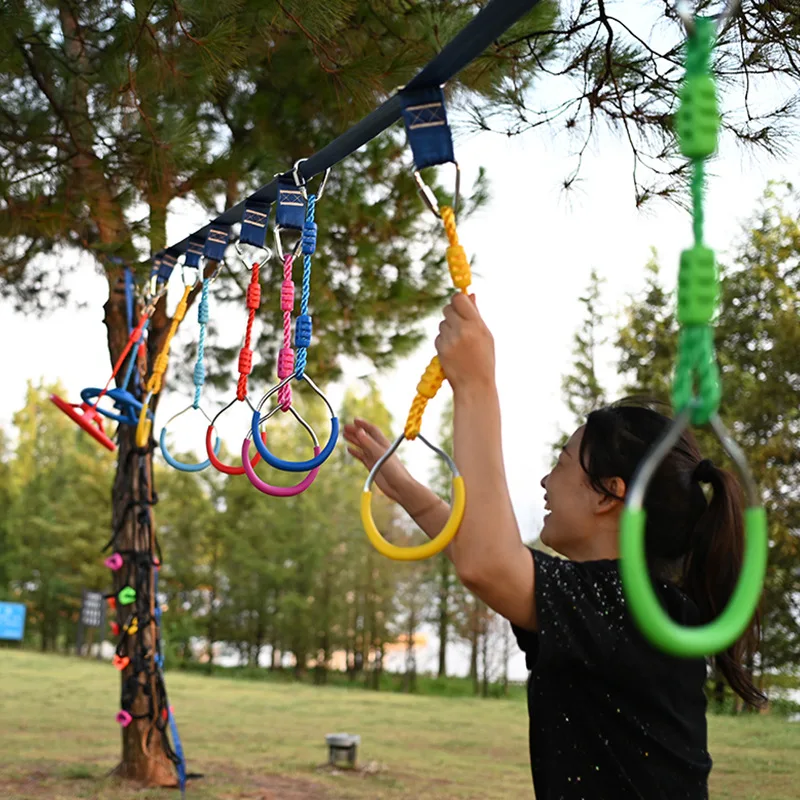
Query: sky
pixel 532 249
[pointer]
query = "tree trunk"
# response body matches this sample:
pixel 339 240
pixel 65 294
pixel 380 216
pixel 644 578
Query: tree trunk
pixel 411 656
pixel 506 654
pixel 445 575
pixel 474 642
pixel 485 654
pixel 143 758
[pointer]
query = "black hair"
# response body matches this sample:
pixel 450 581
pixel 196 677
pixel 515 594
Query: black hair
pixel 696 542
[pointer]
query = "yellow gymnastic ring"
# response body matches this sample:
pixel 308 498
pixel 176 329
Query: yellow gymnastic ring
pixel 421 551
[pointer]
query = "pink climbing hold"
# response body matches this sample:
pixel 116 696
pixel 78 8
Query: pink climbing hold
pixel 114 562
pixel 124 718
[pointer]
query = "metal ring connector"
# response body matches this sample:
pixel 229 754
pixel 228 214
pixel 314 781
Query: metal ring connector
pixel 248 263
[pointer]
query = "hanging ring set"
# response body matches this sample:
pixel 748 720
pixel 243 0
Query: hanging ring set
pixel 696 392
pixel 295 210
pixel 428 131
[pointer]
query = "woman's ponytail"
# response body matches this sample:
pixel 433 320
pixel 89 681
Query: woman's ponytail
pixel 712 568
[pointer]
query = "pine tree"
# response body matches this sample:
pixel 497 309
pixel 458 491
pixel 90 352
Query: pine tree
pixel 581 388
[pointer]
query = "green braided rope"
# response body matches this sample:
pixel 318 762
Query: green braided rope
pixel 697 124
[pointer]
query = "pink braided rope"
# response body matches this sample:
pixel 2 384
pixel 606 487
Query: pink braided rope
pixel 286 354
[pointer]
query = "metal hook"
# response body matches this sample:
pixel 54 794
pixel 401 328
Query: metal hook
pixel 279 245
pixel 249 264
pixel 302 183
pixel 196 271
pixel 723 19
pixel 430 198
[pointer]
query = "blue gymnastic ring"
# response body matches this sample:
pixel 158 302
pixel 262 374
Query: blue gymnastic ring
pixel 294 466
pixel 179 465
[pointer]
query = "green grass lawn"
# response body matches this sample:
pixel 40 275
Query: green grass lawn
pixel 264 741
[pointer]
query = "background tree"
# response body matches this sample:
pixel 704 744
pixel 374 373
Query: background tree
pixel 618 66
pixel 581 388
pixel 51 551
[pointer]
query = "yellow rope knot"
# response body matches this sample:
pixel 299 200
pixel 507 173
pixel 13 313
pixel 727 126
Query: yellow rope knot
pixel 159 368
pixel 459 267
pixel 428 385
pixel 433 377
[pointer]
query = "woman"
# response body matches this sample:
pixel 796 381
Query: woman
pixel 611 718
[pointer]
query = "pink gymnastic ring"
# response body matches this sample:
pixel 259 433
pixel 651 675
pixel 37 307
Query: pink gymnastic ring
pixel 267 488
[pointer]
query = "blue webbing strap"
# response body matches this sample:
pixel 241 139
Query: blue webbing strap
pixel 425 118
pixel 254 223
pixel 290 210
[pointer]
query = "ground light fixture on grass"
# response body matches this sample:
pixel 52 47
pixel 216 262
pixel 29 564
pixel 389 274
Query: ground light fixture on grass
pixel 342 748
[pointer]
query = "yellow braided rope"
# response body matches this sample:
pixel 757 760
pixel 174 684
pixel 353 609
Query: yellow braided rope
pixel 162 359
pixel 156 380
pixel 433 377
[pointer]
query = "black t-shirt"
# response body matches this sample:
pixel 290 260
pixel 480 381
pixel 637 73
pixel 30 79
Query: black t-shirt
pixel 611 718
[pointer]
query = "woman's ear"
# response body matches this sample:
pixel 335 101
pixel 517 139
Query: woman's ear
pixel 616 497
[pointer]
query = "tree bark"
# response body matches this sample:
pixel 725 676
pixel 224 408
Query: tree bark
pixel 445 574
pixel 485 654
pixel 411 656
pixel 143 758
pixel 474 642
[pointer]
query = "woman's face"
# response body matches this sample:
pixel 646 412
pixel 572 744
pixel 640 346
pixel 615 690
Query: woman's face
pixel 570 501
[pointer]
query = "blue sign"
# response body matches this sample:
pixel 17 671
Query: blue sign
pixel 12 621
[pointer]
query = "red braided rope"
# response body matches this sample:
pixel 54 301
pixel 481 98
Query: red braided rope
pixel 246 354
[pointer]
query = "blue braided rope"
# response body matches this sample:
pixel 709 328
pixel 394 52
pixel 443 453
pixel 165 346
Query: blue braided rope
pixel 199 367
pixel 302 329
pixel 159 659
pixel 130 300
pixel 176 743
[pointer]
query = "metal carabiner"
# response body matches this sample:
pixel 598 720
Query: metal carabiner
pixel 276 231
pixel 645 606
pixel 723 19
pixel 195 278
pixel 302 183
pixel 429 197
pixel 249 263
